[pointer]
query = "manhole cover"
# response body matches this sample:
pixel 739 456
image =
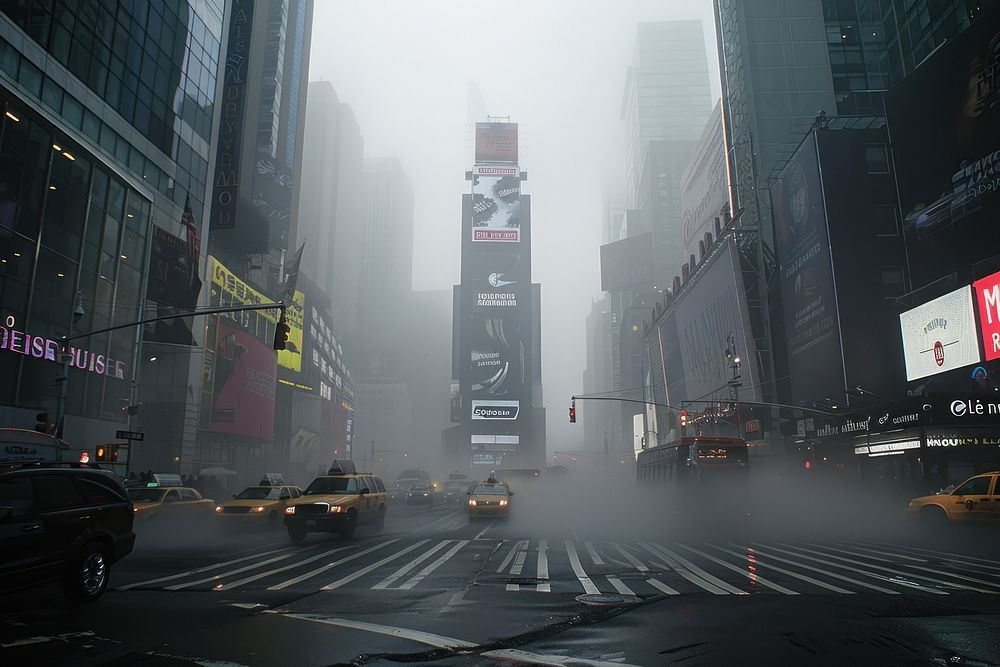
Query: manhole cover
pixel 606 598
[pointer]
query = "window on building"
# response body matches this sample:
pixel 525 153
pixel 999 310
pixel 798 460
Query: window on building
pixel 876 158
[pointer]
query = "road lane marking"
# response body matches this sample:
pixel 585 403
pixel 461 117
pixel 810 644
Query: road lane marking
pixel 873 575
pixel 510 556
pixel 392 578
pixel 902 576
pixel 620 586
pixel 752 576
pixel 594 556
pixel 581 574
pixel 199 570
pixel 771 566
pixel 428 638
pixel 680 564
pixel 662 587
pixel 216 577
pixel 483 531
pixel 434 523
pixel 433 566
pixel 670 564
pixel 633 561
pixel 329 566
pixel 518 656
pixel 827 573
pixel 958 559
pixel 374 566
pixel 515 569
pixel 267 573
pixel 894 554
pixel 994 590
pixel 542 567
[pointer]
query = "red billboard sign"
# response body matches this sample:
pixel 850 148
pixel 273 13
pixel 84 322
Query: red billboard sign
pixel 243 390
pixel 988 301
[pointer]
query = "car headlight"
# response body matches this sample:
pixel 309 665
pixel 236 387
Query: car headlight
pixel 336 508
pixel 259 508
pixel 218 508
pixel 503 503
pixel 290 509
pixel 913 503
pixel 472 502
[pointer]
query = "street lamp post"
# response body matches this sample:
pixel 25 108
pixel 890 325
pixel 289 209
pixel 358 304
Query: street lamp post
pixel 67 357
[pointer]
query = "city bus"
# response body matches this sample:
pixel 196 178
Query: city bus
pixel 697 458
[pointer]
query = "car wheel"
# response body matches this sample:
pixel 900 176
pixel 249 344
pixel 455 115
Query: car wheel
pixel 89 574
pixel 933 518
pixel 296 534
pixel 347 532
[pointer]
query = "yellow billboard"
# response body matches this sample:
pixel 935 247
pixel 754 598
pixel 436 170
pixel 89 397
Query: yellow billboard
pixel 291 356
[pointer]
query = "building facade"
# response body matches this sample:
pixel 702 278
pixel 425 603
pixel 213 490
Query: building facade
pixel 127 91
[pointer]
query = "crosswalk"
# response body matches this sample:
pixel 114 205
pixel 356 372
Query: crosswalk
pixel 573 566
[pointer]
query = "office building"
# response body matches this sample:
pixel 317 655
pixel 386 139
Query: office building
pixel 108 128
pixel 386 261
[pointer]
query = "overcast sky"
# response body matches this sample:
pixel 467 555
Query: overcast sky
pixel 556 67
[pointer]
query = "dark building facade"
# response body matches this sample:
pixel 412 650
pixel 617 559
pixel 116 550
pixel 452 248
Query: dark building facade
pixel 126 91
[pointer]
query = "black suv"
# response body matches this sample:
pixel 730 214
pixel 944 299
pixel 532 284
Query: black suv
pixel 62 523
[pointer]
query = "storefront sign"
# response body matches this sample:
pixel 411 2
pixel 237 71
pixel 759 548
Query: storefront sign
pixel 39 347
pixel 988 299
pixel 957 439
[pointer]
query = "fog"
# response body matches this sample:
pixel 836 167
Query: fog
pixel 556 67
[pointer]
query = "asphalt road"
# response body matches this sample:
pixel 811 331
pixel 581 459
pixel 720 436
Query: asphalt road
pixel 433 588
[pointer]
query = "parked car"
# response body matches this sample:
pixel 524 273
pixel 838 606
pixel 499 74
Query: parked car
pixel 65 523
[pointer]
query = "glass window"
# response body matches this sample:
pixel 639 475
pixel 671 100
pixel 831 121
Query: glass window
pixel 977 486
pixel 322 485
pixel 877 158
pixel 187 494
pixel 93 492
pixel 55 492
pixel 16 494
pixel 379 485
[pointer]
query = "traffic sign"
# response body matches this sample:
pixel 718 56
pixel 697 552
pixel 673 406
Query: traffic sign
pixel 129 435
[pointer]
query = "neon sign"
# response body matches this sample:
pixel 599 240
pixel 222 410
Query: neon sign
pixel 40 347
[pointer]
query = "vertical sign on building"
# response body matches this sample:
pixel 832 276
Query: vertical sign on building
pixel 234 91
pixel 988 299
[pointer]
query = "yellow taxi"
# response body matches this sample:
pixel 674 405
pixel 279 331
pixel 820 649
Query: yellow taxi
pixel 976 500
pixel 258 504
pixel 490 499
pixel 337 503
pixel 175 502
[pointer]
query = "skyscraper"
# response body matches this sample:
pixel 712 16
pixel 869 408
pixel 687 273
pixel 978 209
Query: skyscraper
pixel 386 260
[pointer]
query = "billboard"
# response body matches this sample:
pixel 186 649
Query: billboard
pixel 496 207
pixel 496 142
pixel 495 410
pixel 710 310
pixel 940 335
pixel 291 356
pixel 988 299
pixel 497 357
pixel 944 119
pixel 808 293
pixel 243 384
pixel 173 283
pixel 627 264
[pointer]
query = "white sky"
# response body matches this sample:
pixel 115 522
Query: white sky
pixel 557 67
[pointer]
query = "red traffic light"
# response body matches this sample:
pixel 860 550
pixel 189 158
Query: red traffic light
pixel 809 465
pixel 572 415
pixel 684 418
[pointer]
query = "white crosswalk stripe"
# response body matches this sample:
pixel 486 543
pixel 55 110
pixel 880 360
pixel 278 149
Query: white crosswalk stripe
pixel 642 569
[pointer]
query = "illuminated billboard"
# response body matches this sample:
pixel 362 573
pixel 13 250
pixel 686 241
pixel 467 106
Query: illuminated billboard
pixel 496 142
pixel 243 384
pixel 496 204
pixel 940 335
pixel 988 299
pixel 291 356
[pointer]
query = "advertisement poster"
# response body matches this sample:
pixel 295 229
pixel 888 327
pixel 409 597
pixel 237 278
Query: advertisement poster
pixel 291 356
pixel 947 154
pixel 940 335
pixel 496 142
pixel 496 207
pixel 988 299
pixel 497 287
pixel 495 410
pixel 812 326
pixel 497 362
pixel 243 385
pixel 713 310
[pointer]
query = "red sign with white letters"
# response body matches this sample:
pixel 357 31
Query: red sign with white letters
pixel 988 301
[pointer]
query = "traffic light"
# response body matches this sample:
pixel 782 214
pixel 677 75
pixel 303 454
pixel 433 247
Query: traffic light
pixel 101 454
pixel 112 453
pixel 281 333
pixel 684 419
pixel 572 412
pixel 42 422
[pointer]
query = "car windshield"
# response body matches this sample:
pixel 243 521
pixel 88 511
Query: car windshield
pixel 490 490
pixel 332 485
pixel 419 488
pixel 404 484
pixel 146 495
pixel 258 493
